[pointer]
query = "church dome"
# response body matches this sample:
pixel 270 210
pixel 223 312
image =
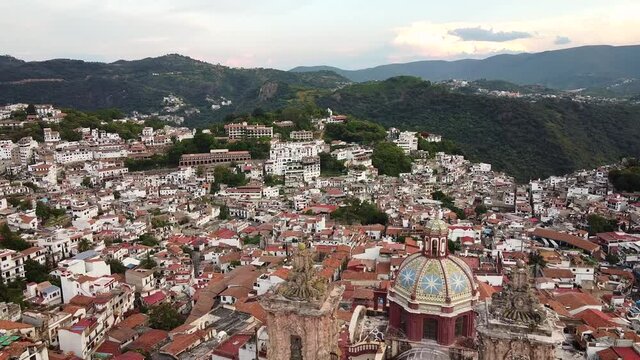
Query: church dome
pixel 436 228
pixel 431 283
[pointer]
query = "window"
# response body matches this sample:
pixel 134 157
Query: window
pixel 430 329
pixel 459 329
pixel 296 347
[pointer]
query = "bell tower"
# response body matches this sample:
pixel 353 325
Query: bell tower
pixel 301 314
pixel 435 241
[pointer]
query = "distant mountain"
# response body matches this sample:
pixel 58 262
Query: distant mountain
pixel 526 139
pixel 141 85
pixel 580 67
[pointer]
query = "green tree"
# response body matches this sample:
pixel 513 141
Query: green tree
pixel 31 110
pixel 86 182
pixel 612 259
pixel 12 291
pixel 363 212
pixel 84 245
pixel 454 246
pixel 358 131
pixel 626 179
pixel 252 240
pixel 330 166
pixel 224 175
pixel 116 266
pixel 448 202
pixel 148 240
pixel 600 224
pixel 165 317
pixel 35 272
pixel 148 262
pixel 536 261
pixel 11 240
pixel 224 212
pixel 480 209
pixel 390 159
pixel 273 180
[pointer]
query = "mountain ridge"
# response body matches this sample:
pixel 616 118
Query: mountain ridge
pixel 578 67
pixel 140 85
pixel 526 139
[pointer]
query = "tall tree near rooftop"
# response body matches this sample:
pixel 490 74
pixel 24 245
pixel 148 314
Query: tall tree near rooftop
pixel 86 182
pixel 31 109
pixel 537 262
pixel 11 240
pixel 35 272
pixel 390 159
pixel 148 240
pixel 224 212
pixel 148 262
pixel 612 259
pixel 84 245
pixel 165 317
pixel 600 224
pixel 116 266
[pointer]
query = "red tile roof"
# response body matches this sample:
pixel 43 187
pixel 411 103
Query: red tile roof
pixel 231 347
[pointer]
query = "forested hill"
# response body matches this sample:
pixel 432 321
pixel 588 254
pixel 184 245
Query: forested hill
pixel 525 139
pixel 141 85
pixel 580 67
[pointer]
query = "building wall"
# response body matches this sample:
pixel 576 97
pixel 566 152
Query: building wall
pixel 499 349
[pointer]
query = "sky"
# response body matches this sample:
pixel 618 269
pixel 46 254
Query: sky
pixel 282 34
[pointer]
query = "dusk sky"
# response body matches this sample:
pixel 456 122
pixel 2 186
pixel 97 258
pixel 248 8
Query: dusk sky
pixel 285 33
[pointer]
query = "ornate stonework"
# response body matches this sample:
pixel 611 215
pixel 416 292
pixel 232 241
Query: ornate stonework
pixel 301 315
pixel 304 284
pixel 516 326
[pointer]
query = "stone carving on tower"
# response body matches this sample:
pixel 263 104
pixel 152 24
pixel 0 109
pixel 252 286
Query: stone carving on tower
pixel 517 302
pixel 304 284
pixel 516 326
pixel 301 314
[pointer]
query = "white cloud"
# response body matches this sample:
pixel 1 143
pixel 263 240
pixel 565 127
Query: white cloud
pixel 614 26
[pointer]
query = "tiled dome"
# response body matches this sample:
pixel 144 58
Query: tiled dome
pixel 436 228
pixel 428 282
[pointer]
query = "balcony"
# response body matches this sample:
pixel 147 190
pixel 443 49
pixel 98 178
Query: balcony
pixel 362 349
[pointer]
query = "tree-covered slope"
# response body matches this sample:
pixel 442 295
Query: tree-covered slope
pixel 580 67
pixel 525 139
pixel 140 85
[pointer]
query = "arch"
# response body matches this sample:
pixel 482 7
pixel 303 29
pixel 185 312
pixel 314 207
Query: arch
pixel 296 347
pixel 430 329
pixel 460 328
pixel 434 247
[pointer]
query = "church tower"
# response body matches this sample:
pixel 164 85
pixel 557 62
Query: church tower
pixel 301 314
pixel 516 326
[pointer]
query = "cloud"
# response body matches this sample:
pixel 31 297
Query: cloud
pixel 480 34
pixel 562 40
pixel 616 25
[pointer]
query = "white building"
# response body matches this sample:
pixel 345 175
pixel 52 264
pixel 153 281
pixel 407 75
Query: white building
pixel 68 155
pixel 6 149
pixel 282 153
pixel 407 141
pixel 51 136
pixel 11 265
pixel 303 135
pixel 242 130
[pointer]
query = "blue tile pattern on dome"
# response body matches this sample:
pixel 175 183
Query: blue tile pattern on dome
pixel 435 280
pixel 407 277
pixel 431 284
pixel 459 282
